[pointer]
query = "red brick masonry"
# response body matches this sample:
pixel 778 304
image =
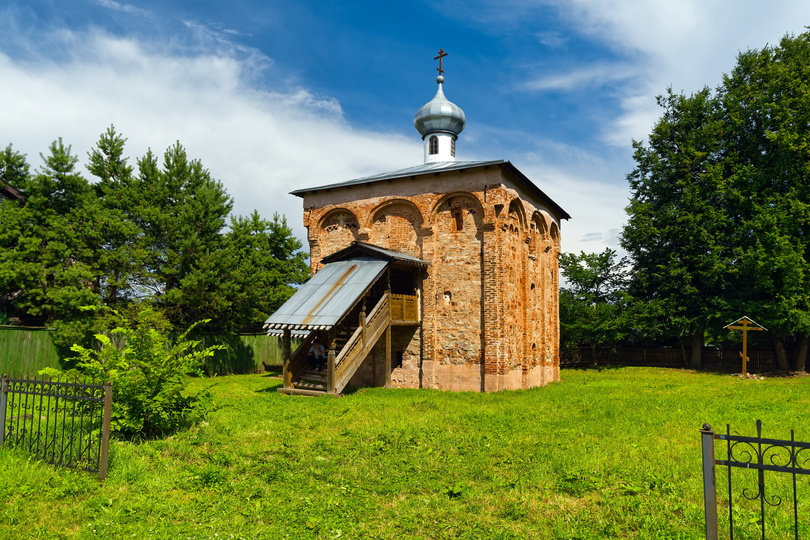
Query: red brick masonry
pixel 489 302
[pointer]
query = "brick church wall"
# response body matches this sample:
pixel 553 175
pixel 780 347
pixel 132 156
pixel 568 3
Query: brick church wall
pixel 489 297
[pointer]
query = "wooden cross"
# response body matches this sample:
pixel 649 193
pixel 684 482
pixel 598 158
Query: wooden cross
pixel 745 324
pixel 441 56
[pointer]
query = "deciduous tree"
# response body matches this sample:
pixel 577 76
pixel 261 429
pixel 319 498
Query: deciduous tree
pixel 593 299
pixel 720 210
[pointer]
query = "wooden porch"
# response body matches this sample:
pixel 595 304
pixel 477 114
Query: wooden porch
pixel 349 344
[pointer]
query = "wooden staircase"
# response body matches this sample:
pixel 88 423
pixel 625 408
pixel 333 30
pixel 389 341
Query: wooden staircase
pixel 349 348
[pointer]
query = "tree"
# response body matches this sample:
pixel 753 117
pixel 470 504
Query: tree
pixel 265 261
pixel 593 299
pixel 14 169
pixel 182 213
pixel 677 234
pixel 14 172
pixel 47 267
pixel 122 255
pixel 719 217
pixel 766 103
pixel 158 235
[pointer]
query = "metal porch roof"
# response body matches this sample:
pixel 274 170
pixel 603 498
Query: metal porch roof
pixel 322 301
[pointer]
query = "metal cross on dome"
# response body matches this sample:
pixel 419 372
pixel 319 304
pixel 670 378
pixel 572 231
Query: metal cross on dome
pixel 441 56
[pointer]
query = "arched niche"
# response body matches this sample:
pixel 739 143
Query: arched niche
pixel 395 225
pixel 336 230
pixel 515 220
pixel 554 234
pixel 539 225
pixel 458 213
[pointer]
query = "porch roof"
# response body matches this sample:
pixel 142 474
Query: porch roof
pixel 346 276
pixel 323 301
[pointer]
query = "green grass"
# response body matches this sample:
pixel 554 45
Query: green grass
pixel 613 453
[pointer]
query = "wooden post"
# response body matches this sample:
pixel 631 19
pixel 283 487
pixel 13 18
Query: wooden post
pixel 330 363
pixel 3 405
pixel 362 321
pixel 286 370
pixel 745 353
pixel 105 432
pixel 388 356
pixel 388 330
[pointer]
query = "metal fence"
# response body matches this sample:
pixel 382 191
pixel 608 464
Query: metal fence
pixel 60 422
pixel 760 508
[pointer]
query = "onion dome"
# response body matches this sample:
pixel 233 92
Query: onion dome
pixel 439 115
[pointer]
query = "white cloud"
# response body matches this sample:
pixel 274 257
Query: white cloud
pixel 261 144
pixel 555 40
pixel 596 75
pixel 117 6
pixel 686 44
pixel 576 182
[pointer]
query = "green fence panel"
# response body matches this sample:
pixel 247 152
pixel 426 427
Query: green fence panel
pixel 24 351
pixel 245 353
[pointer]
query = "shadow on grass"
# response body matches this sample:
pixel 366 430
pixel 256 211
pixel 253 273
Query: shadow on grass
pixel 609 367
pixel 710 370
pixel 272 371
pixel 273 376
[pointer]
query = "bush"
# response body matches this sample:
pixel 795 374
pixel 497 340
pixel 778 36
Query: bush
pixel 148 372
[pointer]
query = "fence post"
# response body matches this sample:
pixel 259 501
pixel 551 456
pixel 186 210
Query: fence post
pixel 3 405
pixel 105 432
pixel 709 482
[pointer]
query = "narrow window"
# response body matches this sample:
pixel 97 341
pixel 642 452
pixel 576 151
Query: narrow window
pixel 434 145
pixel 459 217
pixel 453 147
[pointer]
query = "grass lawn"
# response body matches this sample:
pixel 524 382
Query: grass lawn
pixel 611 453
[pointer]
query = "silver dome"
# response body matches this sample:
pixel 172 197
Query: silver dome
pixel 439 114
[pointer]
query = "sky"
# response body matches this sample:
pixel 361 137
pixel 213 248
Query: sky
pixel 273 96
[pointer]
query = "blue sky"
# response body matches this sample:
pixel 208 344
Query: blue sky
pixel 273 96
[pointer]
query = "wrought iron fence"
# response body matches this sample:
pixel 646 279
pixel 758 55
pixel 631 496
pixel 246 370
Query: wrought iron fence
pixel 766 507
pixel 60 422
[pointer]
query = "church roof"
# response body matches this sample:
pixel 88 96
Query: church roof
pixel 440 167
pixel 8 192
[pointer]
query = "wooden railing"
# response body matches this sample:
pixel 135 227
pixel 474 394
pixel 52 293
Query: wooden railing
pixel 404 308
pixel 361 343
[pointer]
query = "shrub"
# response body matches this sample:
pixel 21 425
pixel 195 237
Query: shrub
pixel 149 374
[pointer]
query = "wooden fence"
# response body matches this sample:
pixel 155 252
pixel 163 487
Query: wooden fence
pixel 26 350
pixel 728 359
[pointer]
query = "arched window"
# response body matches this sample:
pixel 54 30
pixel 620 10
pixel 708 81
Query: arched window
pixel 453 147
pixel 434 145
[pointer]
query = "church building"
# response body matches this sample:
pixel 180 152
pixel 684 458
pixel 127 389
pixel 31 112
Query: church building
pixel 441 275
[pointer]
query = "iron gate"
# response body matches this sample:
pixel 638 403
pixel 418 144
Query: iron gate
pixel 756 455
pixel 60 422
